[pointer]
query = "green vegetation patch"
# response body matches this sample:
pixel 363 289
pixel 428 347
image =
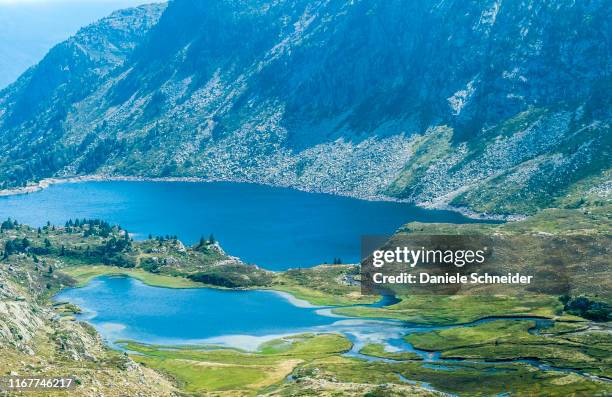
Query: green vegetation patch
pixel 457 378
pixel 511 340
pixel 84 274
pixel 378 350
pixel 325 285
pixel 209 369
pixel 447 310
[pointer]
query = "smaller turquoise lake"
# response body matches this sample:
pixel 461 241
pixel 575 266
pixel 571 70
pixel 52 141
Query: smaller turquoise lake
pixel 125 308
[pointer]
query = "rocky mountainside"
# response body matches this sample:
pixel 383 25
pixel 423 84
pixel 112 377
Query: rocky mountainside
pixel 501 107
pixel 38 337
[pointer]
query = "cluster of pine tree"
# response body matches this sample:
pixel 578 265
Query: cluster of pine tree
pixel 113 251
pixel 15 246
pixel 586 308
pixel 90 227
pixel 8 224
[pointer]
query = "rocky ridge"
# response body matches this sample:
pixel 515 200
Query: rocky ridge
pixel 39 338
pixel 497 107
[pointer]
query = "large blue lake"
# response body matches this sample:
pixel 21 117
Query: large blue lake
pixel 276 228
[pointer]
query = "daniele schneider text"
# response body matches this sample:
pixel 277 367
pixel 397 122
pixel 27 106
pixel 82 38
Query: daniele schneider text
pixel 458 258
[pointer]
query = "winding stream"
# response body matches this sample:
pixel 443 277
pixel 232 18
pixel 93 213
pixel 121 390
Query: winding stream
pixel 123 308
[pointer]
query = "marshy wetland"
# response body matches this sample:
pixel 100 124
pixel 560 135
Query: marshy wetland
pixel 251 332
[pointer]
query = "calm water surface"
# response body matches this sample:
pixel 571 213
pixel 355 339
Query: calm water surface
pixel 276 228
pixel 125 308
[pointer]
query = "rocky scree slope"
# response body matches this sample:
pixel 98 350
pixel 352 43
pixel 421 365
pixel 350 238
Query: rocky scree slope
pixel 501 107
pixel 37 338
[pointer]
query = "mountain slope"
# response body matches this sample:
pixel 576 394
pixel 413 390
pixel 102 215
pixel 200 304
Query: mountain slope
pixel 500 107
pixel 34 108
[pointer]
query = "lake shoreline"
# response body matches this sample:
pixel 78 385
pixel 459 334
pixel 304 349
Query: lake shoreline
pixel 274 218
pixel 45 183
pixel 298 296
pixel 254 343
